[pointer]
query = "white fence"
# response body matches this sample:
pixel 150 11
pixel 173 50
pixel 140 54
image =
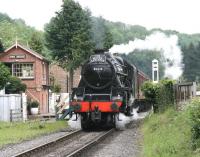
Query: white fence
pixel 13 107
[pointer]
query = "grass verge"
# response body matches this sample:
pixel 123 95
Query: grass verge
pixel 168 134
pixel 16 132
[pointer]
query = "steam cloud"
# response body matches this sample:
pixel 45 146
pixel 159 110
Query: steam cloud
pixel 124 120
pixel 158 41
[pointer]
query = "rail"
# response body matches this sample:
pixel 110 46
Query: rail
pixel 90 144
pixel 81 146
pixel 42 146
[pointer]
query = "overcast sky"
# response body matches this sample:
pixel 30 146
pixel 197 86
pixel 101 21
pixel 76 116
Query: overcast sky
pixel 180 15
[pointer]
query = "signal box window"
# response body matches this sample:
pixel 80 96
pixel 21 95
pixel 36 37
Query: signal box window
pixel 23 70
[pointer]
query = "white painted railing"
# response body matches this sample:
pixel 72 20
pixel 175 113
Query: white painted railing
pixel 9 103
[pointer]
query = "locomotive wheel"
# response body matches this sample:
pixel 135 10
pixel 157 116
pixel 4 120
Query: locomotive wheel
pixel 85 122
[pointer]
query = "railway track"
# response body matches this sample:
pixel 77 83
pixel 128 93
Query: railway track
pixel 33 150
pixel 69 145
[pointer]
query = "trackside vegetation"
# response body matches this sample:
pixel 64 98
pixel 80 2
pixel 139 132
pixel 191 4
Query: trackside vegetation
pixel 168 132
pixel 160 95
pixel 18 131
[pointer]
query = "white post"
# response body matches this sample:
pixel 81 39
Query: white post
pixel 24 106
pixel 2 92
pixel 155 71
pixel 52 103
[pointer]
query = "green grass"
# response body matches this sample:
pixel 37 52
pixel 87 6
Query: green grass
pixel 168 135
pixel 16 132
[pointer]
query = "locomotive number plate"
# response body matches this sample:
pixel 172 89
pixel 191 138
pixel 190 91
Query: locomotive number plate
pixel 98 58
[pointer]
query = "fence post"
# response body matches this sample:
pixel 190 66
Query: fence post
pixel 24 107
pixel 11 115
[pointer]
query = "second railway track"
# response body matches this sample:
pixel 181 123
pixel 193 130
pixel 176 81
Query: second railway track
pixel 69 145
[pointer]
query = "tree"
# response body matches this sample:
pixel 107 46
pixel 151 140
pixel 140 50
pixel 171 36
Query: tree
pixel 12 28
pixel 15 86
pixel 191 60
pixel 68 36
pixel 101 34
pixel 142 59
pixel 4 75
pixel 36 42
pixel 5 17
pixel 1 46
pixel 108 40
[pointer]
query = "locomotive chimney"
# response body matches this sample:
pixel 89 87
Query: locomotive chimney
pixel 99 51
pixel 116 54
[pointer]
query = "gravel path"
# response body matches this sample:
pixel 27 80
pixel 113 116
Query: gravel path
pixel 12 149
pixel 124 143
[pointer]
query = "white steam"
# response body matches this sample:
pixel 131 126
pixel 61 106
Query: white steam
pixel 73 123
pixel 121 125
pixel 123 120
pixel 158 41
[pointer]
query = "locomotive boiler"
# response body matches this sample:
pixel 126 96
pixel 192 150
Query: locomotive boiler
pixel 108 86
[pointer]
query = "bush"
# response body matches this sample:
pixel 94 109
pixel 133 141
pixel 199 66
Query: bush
pixel 15 86
pixel 149 89
pixel 56 88
pixel 4 75
pixel 34 104
pixel 31 104
pixel 161 95
pixel 194 111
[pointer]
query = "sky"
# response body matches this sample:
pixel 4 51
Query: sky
pixel 180 15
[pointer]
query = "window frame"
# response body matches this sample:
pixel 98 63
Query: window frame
pixel 23 63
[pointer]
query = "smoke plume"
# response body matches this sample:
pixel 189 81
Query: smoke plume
pixel 167 45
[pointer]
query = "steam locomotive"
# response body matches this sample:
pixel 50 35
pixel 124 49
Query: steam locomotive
pixel 109 85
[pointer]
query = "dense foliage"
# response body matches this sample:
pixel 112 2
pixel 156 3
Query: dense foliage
pixel 123 33
pixel 68 35
pixel 4 75
pixel 36 42
pixel 14 86
pixel 114 33
pixel 101 34
pixel 168 134
pixel 1 46
pixel 161 95
pixel 180 131
pixel 56 88
pixel 194 109
pixel 16 29
pixel 191 62
pixel 143 60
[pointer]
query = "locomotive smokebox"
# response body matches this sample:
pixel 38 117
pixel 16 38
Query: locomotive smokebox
pixel 98 72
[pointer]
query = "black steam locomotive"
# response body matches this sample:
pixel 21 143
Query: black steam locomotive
pixel 108 86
